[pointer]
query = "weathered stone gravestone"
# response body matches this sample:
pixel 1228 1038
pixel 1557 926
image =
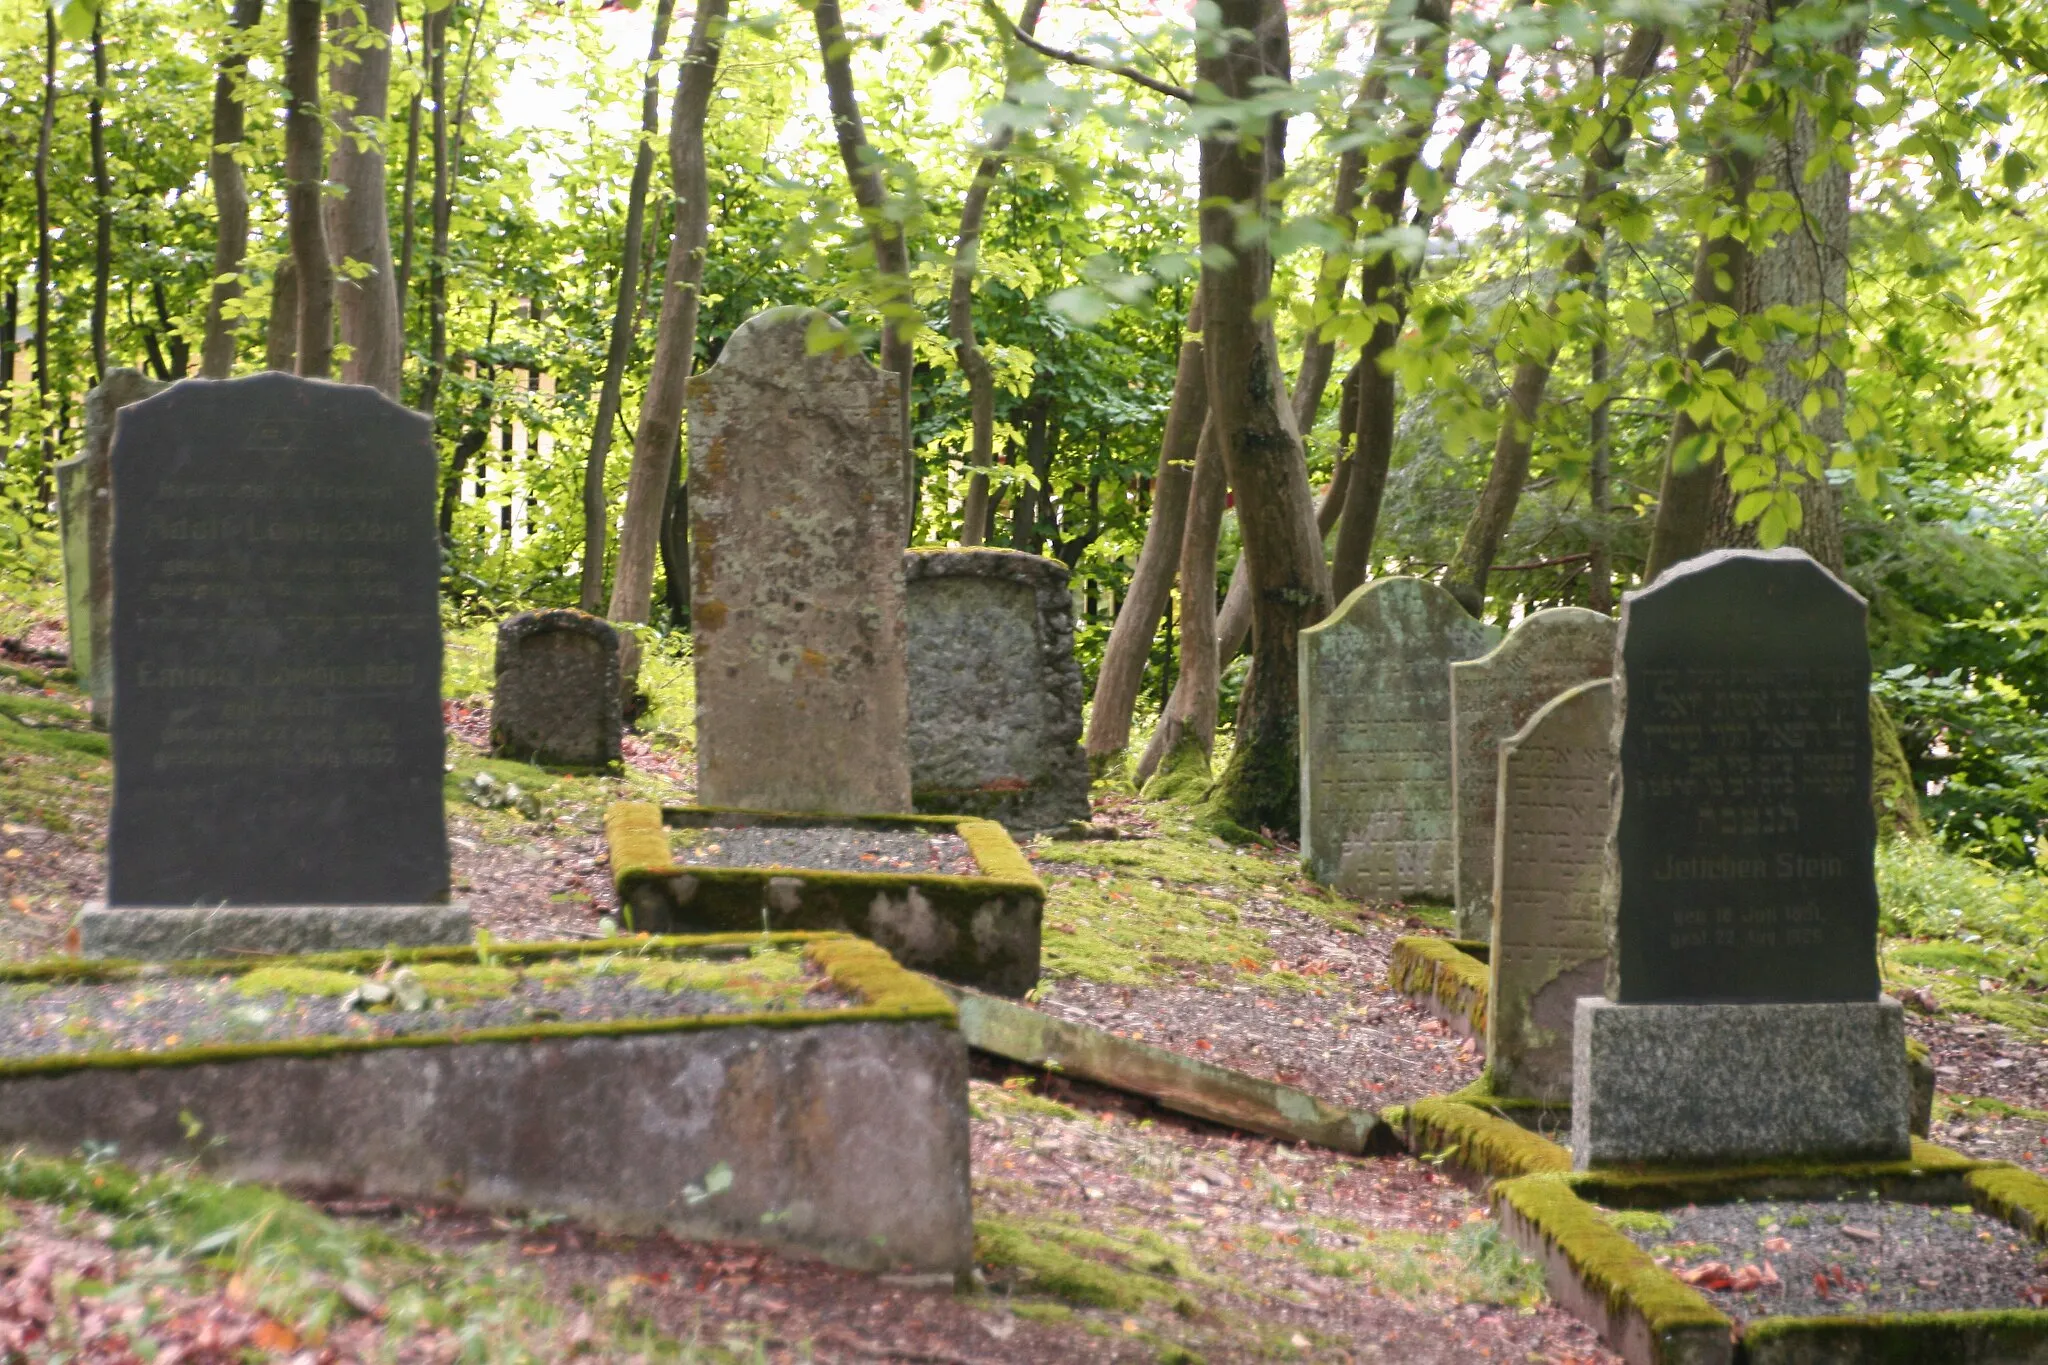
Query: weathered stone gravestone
pixel 798 522
pixel 1376 740
pixel 995 693
pixel 557 698
pixel 85 517
pixel 1742 1018
pixel 277 662
pixel 1549 931
pixel 1491 697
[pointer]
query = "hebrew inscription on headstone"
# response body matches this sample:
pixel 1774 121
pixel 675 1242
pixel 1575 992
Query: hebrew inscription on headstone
pixel 1555 781
pixel 1376 739
pixel 1491 697
pixel 798 523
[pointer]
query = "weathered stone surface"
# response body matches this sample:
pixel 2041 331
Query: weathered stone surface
pixel 1678 1084
pixel 995 693
pixel 1744 840
pixel 1549 930
pixel 845 1141
pixel 1491 698
pixel 1376 739
pixel 160 934
pixel 798 523
pixel 277 650
pixel 557 698
pixel 85 513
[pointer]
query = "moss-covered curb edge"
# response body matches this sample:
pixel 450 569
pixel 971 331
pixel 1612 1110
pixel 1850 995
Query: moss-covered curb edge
pixel 1476 1141
pixel 1991 1334
pixel 1437 969
pixel 891 995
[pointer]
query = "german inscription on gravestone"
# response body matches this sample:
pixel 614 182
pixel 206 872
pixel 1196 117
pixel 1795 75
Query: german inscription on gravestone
pixel 277 649
pixel 1743 839
pixel 1376 741
pixel 1549 934
pixel 798 521
pixel 1491 697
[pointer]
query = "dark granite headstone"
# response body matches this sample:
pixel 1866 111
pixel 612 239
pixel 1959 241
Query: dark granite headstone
pixel 277 650
pixel 1744 839
pixel 557 698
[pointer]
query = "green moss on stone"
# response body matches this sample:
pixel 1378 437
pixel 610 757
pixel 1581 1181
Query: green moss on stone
pixel 1476 1140
pixel 1429 968
pixel 296 981
pixel 1900 1338
pixel 2013 1195
pixel 459 984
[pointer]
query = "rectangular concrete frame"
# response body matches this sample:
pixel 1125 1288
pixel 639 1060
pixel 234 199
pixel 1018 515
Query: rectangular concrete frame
pixel 980 931
pixel 1671 1085
pixel 169 934
pixel 846 1137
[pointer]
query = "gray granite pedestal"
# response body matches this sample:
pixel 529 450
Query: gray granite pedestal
pixel 1738 1084
pixel 173 933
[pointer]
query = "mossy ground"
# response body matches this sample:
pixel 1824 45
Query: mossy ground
pixel 54 767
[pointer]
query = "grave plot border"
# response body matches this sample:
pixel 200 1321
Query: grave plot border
pixel 526 1116
pixel 1651 1317
pixel 980 931
pixel 1447 977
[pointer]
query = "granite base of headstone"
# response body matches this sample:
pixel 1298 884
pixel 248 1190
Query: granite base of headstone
pixel 85 519
pixel 1743 1020
pixel 557 694
pixel 1549 931
pixel 1376 739
pixel 995 692
pixel 278 743
pixel 1492 696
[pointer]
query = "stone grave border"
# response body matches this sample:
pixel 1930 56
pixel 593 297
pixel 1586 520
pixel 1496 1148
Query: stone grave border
pixel 1005 903
pixel 1446 976
pixel 1651 1317
pixel 903 1025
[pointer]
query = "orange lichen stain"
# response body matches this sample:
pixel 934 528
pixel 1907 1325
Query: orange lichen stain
pixel 709 615
pixel 714 457
pixel 814 660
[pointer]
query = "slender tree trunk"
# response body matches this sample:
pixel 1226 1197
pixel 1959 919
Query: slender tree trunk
pixel 407 196
pixel 468 447
pixel 305 166
pixel 1319 352
pixel 1262 451
pixel 675 340
pixel 230 196
pixel 981 383
pixel 1495 510
pixel 1600 447
pixel 434 47
pixel 281 332
pixel 1122 671
pixel 359 223
pixel 596 509
pixel 10 322
pixel 1190 711
pixel 102 196
pixel 675 544
pixel 885 234
pixel 45 257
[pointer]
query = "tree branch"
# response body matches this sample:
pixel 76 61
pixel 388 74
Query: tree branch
pixel 1060 54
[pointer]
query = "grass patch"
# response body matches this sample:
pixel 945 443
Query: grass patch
pixel 1473 1264
pixel 1040 1248
pixel 1983 1106
pixel 52 762
pixel 1015 1098
pixel 1974 934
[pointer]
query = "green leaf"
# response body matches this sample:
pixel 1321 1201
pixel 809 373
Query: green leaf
pixel 1751 506
pixel 75 20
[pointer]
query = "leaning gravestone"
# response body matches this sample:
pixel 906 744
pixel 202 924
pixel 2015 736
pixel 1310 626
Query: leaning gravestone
pixel 1549 933
pixel 277 661
pixel 1491 697
pixel 557 697
pixel 798 522
pixel 85 517
pixel 995 693
pixel 1376 742
pixel 1743 1020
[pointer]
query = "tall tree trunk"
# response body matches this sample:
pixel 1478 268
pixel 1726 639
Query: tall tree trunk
pixel 10 323
pixel 885 234
pixel 675 340
pixel 359 223
pixel 1248 402
pixel 596 509
pixel 305 160
pixel 981 383
pixel 102 197
pixel 1600 448
pixel 1122 671
pixel 281 331
pixel 469 446
pixel 45 257
pixel 1319 352
pixel 434 47
pixel 675 544
pixel 1495 510
pixel 230 195
pixel 408 195
pixel 1190 712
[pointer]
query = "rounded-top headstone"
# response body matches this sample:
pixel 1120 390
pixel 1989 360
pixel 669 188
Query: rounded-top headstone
pixel 1744 841
pixel 557 696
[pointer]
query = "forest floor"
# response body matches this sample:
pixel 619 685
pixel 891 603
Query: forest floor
pixel 1106 1229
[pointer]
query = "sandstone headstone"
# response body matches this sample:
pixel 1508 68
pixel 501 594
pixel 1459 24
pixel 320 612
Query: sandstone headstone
pixel 85 518
pixel 1491 697
pixel 1376 739
pixel 798 523
pixel 557 695
pixel 995 692
pixel 277 661
pixel 1549 934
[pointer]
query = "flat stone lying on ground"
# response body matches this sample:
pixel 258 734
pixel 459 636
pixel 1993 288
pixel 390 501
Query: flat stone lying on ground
pixel 995 692
pixel 557 696
pixel 1493 696
pixel 798 522
pixel 1375 739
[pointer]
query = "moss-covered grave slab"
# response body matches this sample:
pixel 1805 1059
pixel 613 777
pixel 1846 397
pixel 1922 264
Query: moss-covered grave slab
pixel 977 928
pixel 1447 977
pixel 798 1090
